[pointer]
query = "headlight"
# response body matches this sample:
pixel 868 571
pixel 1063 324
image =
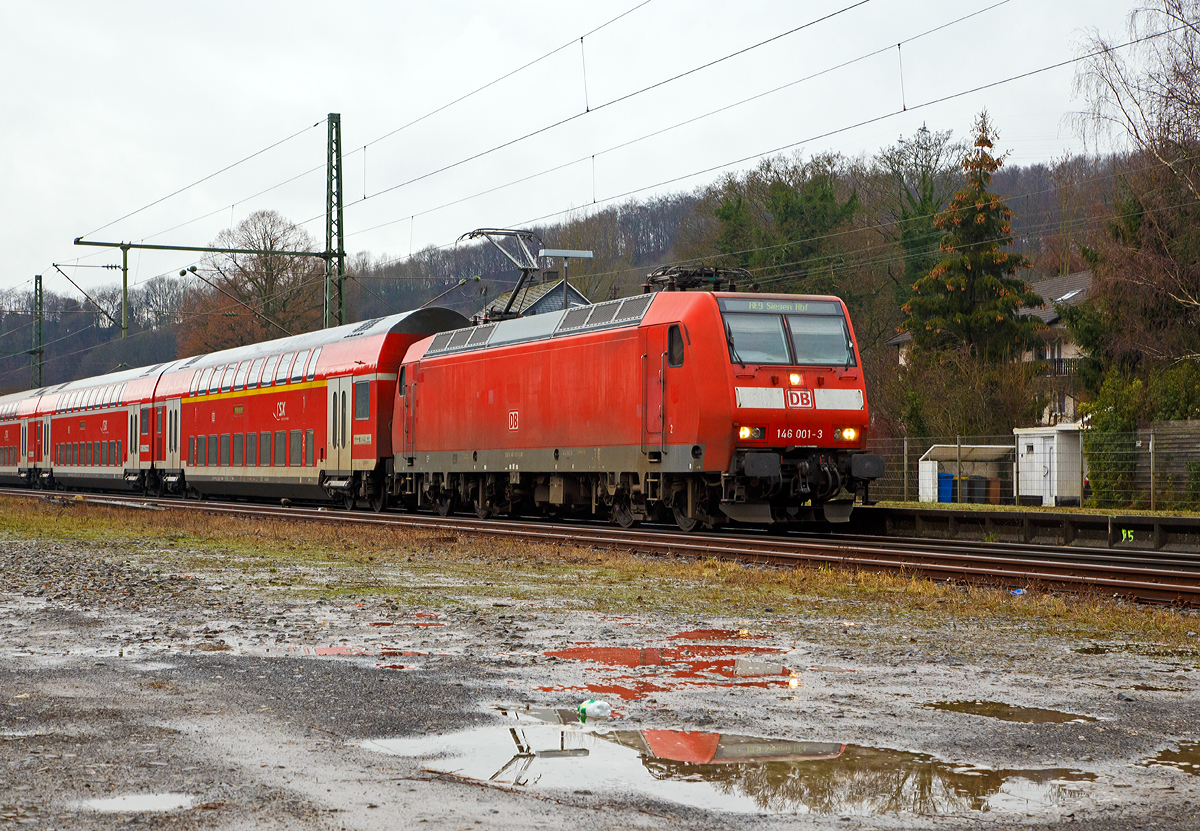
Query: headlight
pixel 845 434
pixel 751 432
pixel 796 379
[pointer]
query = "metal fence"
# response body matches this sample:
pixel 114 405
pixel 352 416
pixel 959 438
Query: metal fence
pixel 1153 469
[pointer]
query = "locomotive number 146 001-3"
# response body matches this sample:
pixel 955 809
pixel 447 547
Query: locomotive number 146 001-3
pixel 799 433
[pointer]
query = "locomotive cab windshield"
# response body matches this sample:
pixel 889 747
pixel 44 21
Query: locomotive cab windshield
pixel 791 332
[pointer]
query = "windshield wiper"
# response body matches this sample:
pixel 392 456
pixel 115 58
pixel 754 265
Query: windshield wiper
pixel 733 353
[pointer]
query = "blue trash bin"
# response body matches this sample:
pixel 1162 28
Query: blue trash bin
pixel 945 487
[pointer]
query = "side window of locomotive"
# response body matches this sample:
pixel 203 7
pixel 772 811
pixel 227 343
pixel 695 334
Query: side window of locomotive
pixel 674 346
pixel 362 400
pixel 756 339
pixel 821 340
pixel 298 369
pixel 402 386
pixel 269 371
pixel 285 363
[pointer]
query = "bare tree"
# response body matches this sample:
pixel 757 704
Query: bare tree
pixel 245 298
pixel 1150 91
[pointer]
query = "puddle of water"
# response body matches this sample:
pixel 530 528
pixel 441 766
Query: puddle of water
pixel 137 803
pixel 669 668
pixel 547 749
pixel 1186 758
pixel 714 635
pixel 1007 712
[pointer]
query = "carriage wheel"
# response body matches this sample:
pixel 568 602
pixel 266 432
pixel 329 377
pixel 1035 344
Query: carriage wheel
pixel 444 503
pixel 379 500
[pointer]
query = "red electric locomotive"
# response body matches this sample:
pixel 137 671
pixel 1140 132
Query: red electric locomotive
pixel 701 406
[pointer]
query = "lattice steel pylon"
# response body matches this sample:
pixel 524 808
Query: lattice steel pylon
pixel 38 352
pixel 335 249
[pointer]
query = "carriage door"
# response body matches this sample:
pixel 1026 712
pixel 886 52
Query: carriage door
pixel 654 379
pixel 339 437
pixel 132 443
pixel 35 442
pixel 171 457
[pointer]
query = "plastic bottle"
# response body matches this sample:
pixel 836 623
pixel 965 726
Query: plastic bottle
pixel 593 709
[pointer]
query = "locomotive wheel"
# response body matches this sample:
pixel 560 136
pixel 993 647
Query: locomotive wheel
pixel 348 501
pixel 622 515
pixel 687 524
pixel 444 504
pixel 482 509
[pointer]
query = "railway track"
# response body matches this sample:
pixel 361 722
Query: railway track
pixel 1145 576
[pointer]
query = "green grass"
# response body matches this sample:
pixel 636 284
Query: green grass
pixel 433 570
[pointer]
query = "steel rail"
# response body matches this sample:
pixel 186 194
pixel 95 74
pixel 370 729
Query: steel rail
pixel 1165 579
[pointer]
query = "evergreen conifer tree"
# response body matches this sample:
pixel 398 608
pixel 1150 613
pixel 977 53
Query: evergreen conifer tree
pixel 971 297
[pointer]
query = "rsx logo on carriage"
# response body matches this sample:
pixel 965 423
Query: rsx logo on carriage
pixel 280 410
pixel 800 399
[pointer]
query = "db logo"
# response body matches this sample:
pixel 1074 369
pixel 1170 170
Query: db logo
pixel 800 399
pixel 280 410
pixel 512 419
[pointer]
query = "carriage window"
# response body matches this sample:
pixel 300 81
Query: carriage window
pixel 362 400
pixel 310 443
pixel 756 339
pixel 269 370
pixel 191 450
pixel 145 420
pixel 214 383
pixel 195 382
pixel 298 370
pixel 312 363
pixel 674 346
pixel 255 372
pixel 239 381
pixel 285 364
pixel 237 449
pixel 280 447
pixel 264 450
pixel 203 388
pixel 821 341
pixel 227 378
pixel 225 447
pixel 296 459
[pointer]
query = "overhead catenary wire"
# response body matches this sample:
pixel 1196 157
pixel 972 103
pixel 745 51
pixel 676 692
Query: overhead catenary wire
pixel 677 125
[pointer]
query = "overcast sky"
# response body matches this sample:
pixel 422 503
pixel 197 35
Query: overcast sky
pixel 109 107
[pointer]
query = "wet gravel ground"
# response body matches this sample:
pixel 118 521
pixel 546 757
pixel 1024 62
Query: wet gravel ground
pixel 249 709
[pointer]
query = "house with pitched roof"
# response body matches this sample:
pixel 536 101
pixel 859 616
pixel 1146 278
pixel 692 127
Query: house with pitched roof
pixel 538 298
pixel 1058 353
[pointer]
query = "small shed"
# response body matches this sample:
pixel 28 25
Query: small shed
pixel 975 468
pixel 1051 468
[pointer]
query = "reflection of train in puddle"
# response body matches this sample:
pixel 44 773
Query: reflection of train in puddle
pixel 659 750
pixel 746 773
